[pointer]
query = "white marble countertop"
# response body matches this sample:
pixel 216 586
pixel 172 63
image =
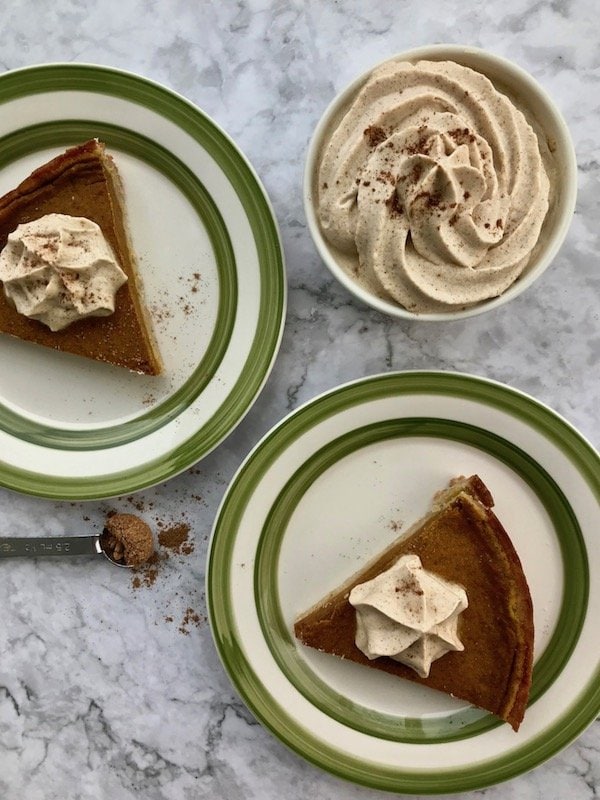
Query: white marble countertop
pixel 107 691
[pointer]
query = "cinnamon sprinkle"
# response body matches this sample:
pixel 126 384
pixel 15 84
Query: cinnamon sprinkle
pixel 393 203
pixel 190 617
pixel 432 199
pixel 175 538
pixel 172 540
pixel 422 146
pixel 375 135
pixel 461 136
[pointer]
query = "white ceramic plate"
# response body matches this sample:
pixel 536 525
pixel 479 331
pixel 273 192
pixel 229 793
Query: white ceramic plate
pixel 212 266
pixel 327 489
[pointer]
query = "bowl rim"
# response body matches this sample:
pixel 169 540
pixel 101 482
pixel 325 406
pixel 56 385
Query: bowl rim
pixel 564 216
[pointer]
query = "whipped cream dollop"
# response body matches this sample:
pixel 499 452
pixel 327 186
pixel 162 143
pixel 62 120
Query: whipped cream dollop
pixel 433 184
pixel 408 614
pixel 59 269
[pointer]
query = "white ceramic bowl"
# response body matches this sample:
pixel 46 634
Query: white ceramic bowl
pixel 541 113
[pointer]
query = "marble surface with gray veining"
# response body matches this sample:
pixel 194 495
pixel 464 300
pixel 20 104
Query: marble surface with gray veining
pixel 107 691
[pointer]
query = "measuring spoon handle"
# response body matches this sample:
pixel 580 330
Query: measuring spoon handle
pixel 35 547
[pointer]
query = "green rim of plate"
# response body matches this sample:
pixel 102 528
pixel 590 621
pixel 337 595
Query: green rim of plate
pixel 566 726
pixel 65 133
pixel 466 722
pixel 272 300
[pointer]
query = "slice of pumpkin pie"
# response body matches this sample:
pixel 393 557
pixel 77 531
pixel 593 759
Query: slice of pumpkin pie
pixel 67 268
pixel 446 605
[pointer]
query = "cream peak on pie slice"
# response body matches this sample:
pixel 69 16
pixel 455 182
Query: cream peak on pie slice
pixel 83 182
pixel 463 543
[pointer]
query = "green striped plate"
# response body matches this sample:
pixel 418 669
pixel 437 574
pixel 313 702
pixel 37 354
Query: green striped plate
pixel 328 488
pixel 212 265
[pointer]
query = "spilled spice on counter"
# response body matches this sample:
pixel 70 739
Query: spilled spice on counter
pixel 173 540
pixel 176 539
pixel 190 617
pixel 148 573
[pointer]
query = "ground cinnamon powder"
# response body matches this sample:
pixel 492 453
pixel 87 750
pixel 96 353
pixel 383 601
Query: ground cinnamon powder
pixel 175 538
pixel 190 617
pixel 148 574
pixel 127 539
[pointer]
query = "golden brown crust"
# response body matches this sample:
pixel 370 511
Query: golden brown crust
pixel 81 182
pixel 464 542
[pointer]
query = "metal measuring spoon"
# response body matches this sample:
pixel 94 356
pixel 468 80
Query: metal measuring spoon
pixel 35 547
pixel 126 541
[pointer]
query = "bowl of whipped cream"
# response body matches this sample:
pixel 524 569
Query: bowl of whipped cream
pixel 440 184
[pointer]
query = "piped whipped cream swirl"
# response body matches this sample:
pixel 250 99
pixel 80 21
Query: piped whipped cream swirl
pixel 435 181
pixel 59 269
pixel 408 614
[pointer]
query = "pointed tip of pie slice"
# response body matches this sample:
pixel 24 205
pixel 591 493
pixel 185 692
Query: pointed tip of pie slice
pixel 83 181
pixel 463 541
